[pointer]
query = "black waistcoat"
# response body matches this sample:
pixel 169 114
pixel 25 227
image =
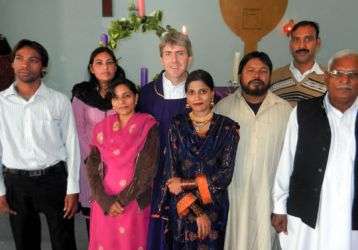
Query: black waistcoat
pixel 314 139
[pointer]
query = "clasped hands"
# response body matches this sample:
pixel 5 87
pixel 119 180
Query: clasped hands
pixel 115 209
pixel 176 185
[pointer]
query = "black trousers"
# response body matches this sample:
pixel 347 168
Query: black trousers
pixel 29 196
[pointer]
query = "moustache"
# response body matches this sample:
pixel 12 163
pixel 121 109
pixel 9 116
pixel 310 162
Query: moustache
pixel 302 50
pixel 345 87
pixel 256 81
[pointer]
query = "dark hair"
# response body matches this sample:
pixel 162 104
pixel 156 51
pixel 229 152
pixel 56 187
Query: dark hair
pixel 121 81
pixel 306 23
pixel 119 71
pixel 199 75
pixel 33 45
pixel 262 56
pixel 5 48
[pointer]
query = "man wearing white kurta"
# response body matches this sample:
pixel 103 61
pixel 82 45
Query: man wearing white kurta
pixel 262 117
pixel 315 207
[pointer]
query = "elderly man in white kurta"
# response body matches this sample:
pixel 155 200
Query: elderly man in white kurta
pixel 315 191
pixel 262 117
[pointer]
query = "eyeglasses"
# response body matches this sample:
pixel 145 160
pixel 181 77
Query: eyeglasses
pixel 352 75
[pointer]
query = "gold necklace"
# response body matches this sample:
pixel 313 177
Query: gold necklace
pixel 201 124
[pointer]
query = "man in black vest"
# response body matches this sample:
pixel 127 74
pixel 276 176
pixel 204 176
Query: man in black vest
pixel 316 187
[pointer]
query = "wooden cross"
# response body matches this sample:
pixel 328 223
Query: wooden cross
pixel 107 8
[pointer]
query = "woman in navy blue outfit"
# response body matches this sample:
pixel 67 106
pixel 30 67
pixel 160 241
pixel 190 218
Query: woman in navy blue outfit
pixel 199 163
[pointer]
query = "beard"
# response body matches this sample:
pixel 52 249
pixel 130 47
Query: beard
pixel 258 87
pixel 28 77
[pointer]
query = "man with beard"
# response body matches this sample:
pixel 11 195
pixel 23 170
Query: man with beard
pixel 262 117
pixel 303 78
pixel 39 152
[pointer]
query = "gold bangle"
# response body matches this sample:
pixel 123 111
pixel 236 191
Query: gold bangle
pixel 188 184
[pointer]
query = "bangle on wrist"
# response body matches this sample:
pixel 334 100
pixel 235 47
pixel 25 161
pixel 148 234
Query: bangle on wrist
pixel 188 184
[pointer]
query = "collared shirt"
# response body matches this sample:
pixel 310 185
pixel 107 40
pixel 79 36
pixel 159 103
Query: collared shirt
pixel 299 77
pixel 173 91
pixel 38 133
pixel 337 188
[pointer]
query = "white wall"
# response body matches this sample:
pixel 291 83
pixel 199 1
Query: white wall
pixel 70 30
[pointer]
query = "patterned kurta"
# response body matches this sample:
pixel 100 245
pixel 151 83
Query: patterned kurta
pixel 261 139
pixel 119 150
pixel 188 156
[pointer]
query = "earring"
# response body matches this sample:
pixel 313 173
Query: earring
pixel 187 106
pixel 212 103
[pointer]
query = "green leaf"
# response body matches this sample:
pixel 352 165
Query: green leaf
pixel 125 27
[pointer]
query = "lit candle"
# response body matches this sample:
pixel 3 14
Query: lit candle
pixel 143 76
pixel 184 30
pixel 141 8
pixel 235 69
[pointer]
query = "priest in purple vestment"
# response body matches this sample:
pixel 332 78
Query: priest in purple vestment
pixel 164 98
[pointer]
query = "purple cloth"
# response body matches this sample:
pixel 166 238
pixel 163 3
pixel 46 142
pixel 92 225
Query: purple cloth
pixel 151 101
pixel 222 92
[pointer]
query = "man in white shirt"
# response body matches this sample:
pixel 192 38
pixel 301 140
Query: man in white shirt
pixel 303 78
pixel 315 192
pixel 39 154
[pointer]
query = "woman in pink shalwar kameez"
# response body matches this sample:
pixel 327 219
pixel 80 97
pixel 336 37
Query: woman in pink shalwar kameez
pixel 121 166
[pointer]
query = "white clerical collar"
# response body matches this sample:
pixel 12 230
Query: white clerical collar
pixel 299 77
pixel 173 91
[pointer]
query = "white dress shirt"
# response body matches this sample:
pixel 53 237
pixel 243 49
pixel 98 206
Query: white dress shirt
pixel 173 91
pixel 297 73
pixel 38 133
pixel 333 229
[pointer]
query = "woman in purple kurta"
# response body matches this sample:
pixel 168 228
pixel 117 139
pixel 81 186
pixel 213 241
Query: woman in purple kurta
pixel 90 106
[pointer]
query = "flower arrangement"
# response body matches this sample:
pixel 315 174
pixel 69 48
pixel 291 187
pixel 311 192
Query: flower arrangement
pixel 125 27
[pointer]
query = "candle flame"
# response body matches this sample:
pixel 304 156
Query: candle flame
pixel 184 30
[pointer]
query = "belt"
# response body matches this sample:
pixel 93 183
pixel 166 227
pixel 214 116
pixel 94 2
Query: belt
pixel 57 168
